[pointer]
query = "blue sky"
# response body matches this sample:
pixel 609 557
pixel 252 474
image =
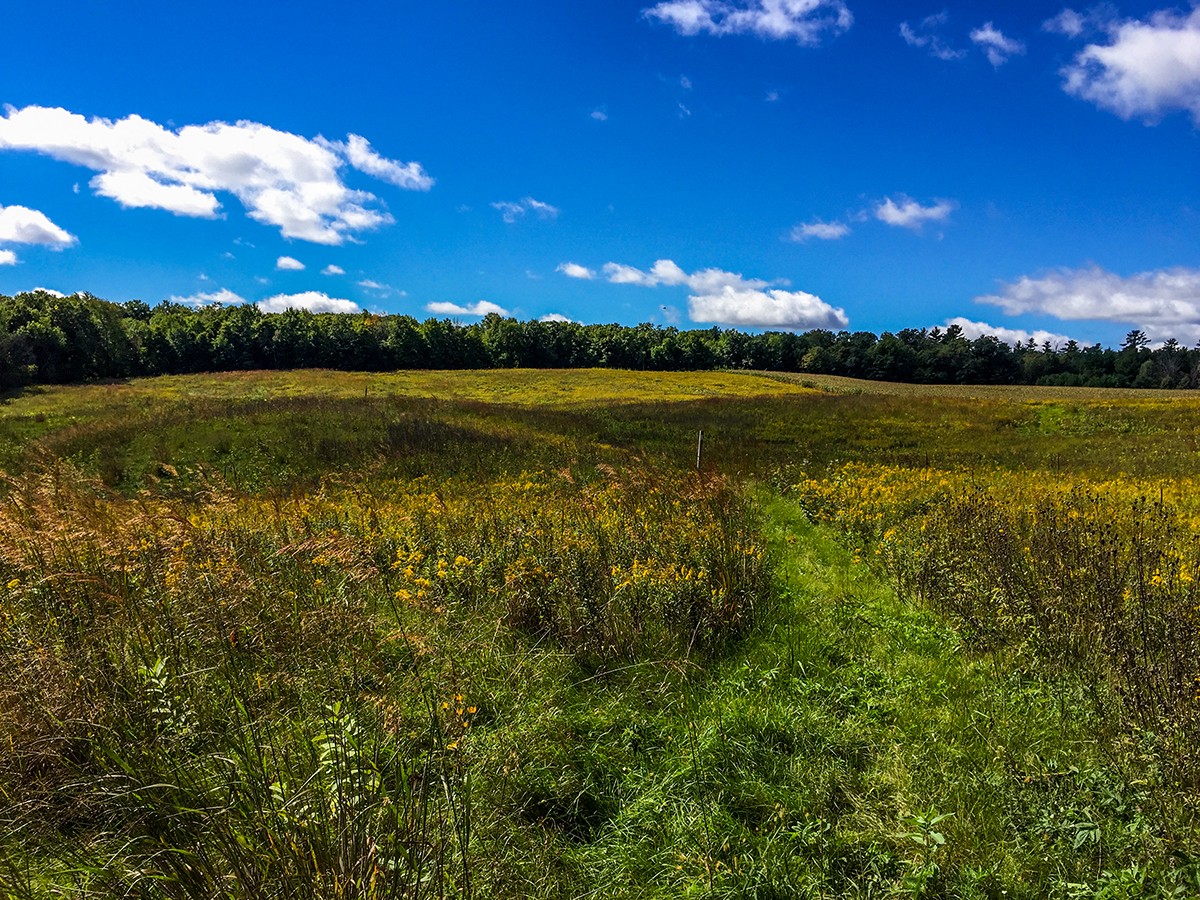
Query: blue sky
pixel 1019 167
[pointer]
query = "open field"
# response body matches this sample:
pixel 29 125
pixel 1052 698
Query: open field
pixel 488 634
pixel 1014 392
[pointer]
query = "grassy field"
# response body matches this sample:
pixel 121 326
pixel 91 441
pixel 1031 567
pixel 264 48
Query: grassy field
pixel 489 634
pixel 839 384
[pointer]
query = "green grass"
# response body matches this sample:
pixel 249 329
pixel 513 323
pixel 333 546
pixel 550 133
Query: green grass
pixel 213 689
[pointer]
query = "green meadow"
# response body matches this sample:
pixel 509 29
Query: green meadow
pixel 315 634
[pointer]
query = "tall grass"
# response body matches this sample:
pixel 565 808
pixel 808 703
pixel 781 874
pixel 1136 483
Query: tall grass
pixel 1088 581
pixel 241 696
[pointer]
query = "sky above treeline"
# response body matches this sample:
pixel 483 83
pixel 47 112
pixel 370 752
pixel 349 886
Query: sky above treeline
pixel 1021 169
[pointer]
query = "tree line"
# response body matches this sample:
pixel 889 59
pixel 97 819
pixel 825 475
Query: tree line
pixel 48 339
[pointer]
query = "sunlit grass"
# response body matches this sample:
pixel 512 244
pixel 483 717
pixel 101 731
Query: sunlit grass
pixel 489 634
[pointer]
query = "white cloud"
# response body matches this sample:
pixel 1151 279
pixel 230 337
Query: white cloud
pixel 7 258
pixel 313 301
pixel 555 317
pixel 911 214
pixel 925 36
pixel 1011 336
pixel 331 269
pixel 1148 68
pixel 997 47
pixel 802 20
pixel 544 210
pixel 281 179
pixel 822 231
pixel 482 308
pixel 288 264
pixel 729 299
pixel 384 290
pixel 766 309
pixel 600 114
pixel 224 296
pixel 685 82
pixel 360 154
pixel 771 96
pixel 50 291
pixel 574 270
pixel 21 225
pixel 1164 303
pixel 1067 22
pixel 510 211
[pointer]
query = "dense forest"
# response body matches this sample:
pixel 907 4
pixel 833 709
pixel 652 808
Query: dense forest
pixel 48 339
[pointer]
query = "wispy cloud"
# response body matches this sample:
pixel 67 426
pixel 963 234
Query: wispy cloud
pixel 384 290
pixel 224 296
pixel 925 35
pixel 1067 22
pixel 822 231
pixel 600 113
pixel 996 45
pixel 360 154
pixel 289 264
pixel 804 21
pixel 911 214
pixel 331 269
pixel 511 212
pixel 482 308
pixel 281 179
pixel 728 298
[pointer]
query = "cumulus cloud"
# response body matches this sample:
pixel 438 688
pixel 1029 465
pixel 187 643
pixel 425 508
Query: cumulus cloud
pixel 7 258
pixel 729 299
pixel 1147 69
pixel 289 264
pixel 482 308
pixel 511 212
pixel 331 269
pixel 911 214
pixel 574 270
pixel 805 21
pixel 21 225
pixel 555 317
pixel 1164 303
pixel 281 179
pixel 925 36
pixel 1011 336
pixel 224 297
pixel 313 301
pixel 822 231
pixel 994 43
